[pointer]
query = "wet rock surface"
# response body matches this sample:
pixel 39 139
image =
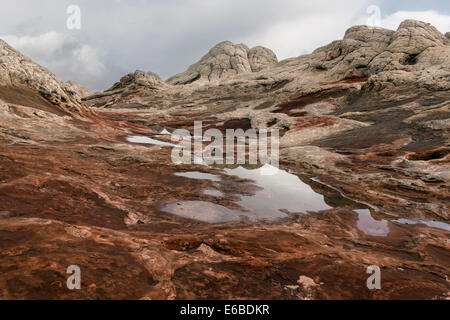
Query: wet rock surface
pixel 363 122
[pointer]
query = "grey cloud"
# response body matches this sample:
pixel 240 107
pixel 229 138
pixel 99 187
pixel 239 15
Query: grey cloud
pixel 167 36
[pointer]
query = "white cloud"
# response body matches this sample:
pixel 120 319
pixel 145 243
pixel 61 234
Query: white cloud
pixel 62 54
pixel 440 21
pixel 304 33
pixel 46 44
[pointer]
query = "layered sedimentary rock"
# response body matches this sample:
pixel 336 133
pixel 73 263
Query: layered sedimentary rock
pixel 364 118
pixel 224 61
pixel 375 91
pixel 366 51
pixel 34 104
pixel 139 79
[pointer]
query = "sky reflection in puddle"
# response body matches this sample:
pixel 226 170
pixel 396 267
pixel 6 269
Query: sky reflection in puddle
pixel 279 195
pixel 380 228
pixel 203 211
pixel 147 140
pixel 432 224
pixel 370 226
pixel 198 175
pixel 280 191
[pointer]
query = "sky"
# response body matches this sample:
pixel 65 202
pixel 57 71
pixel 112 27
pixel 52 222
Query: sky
pixel 96 42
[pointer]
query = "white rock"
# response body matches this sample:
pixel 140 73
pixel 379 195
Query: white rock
pixel 226 60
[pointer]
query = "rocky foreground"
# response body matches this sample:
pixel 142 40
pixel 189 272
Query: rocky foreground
pixel 364 121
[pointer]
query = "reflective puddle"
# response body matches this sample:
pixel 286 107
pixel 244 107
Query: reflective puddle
pixel 198 175
pixel 279 193
pixel 433 224
pixel 203 211
pixel 381 228
pixel 272 197
pixel 147 140
pixel 276 196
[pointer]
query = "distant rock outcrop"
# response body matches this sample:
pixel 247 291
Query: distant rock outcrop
pixel 363 52
pixel 16 70
pixel 363 126
pixel 137 79
pixel 366 51
pixel 261 58
pixel 224 61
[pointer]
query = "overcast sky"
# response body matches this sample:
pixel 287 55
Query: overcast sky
pixel 166 36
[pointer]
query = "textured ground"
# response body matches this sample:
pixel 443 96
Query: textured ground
pixel 73 191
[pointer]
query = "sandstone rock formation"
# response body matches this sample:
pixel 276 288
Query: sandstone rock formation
pixel 138 79
pixel 366 51
pixel 363 121
pixel 261 58
pixel 224 61
pixel 340 96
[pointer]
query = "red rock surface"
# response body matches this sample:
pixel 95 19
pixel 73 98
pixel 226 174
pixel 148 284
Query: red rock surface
pixel 73 191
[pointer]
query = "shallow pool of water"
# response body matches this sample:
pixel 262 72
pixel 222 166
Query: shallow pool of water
pixel 370 226
pixel 278 194
pixel 430 223
pixel 147 140
pixel 381 228
pixel 198 175
pixel 205 211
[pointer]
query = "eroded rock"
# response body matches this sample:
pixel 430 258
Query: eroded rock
pixel 367 127
pixel 224 61
pixel 16 70
pixel 148 80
